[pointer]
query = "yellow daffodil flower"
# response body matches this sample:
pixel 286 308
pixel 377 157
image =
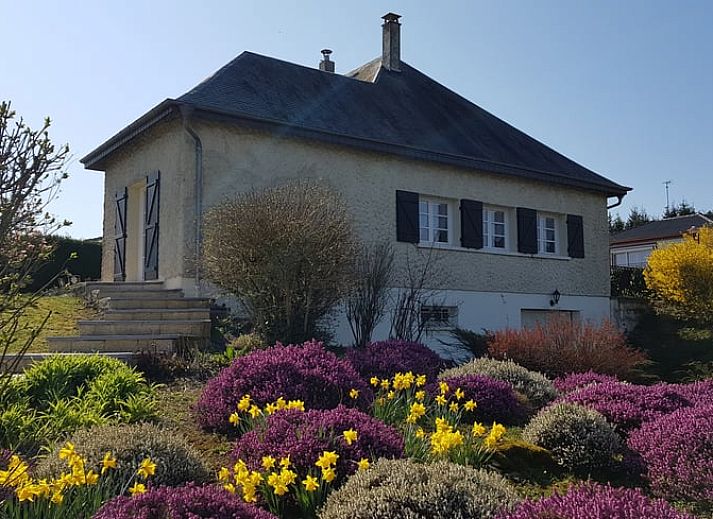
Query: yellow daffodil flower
pixel 470 405
pixel 420 380
pixel 354 394
pixel 363 464
pixel 109 462
pixel 268 462
pixel 350 436
pixel 310 483
pixel 244 403
pixel 420 395
pixel 234 418
pixel 223 474
pixel 459 393
pixel 328 474
pixel 147 468
pixel 138 488
pixel 374 381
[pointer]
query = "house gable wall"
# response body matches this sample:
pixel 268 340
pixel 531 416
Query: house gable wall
pixel 165 148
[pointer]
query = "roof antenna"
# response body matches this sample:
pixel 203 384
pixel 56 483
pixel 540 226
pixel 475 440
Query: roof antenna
pixel 666 183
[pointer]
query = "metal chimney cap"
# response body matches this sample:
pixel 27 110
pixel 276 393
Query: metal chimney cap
pixel 391 17
pixel 326 53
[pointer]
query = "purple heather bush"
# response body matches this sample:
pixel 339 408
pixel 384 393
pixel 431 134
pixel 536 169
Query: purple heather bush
pixel 627 406
pixel 592 501
pixel 303 436
pixel 676 453
pixel 697 393
pixel 386 358
pixel 573 381
pixel 188 502
pixel 304 372
pixel 496 400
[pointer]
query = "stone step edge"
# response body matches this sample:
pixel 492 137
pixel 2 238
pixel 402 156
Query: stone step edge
pixel 143 321
pixel 111 298
pixel 101 338
pixel 155 310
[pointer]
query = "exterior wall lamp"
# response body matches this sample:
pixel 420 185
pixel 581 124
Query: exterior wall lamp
pixel 555 298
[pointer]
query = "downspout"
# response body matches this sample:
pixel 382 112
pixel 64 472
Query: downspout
pixel 186 112
pixel 619 198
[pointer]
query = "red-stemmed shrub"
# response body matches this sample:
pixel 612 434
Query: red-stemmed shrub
pixel 386 358
pixel 562 346
pixel 304 372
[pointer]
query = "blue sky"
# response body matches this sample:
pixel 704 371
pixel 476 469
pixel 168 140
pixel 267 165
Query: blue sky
pixel 624 88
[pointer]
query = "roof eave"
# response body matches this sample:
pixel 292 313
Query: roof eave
pixel 94 160
pixel 610 190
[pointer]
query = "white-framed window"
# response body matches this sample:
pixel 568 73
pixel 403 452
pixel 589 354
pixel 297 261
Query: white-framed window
pixel 494 228
pixel 434 221
pixel 436 317
pixel 547 234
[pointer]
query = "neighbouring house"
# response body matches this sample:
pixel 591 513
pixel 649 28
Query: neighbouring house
pixel 631 248
pixel 519 230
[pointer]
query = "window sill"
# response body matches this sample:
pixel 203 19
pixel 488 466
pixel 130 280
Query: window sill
pixel 448 246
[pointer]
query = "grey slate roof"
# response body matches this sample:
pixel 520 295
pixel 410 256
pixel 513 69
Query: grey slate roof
pixel 404 110
pixel 660 229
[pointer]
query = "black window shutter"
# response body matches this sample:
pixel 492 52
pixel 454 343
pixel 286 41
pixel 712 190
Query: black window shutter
pixel 526 230
pixel 471 224
pixel 121 198
pixel 407 228
pixel 575 236
pixel 151 225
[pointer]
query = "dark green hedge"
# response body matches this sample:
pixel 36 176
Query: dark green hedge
pixel 80 258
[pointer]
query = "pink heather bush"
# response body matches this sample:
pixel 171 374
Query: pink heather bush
pixel 304 372
pixel 189 502
pixel 573 381
pixel 386 358
pixel 697 393
pixel 495 399
pixel 627 406
pixel 591 501
pixel 303 436
pixel 676 452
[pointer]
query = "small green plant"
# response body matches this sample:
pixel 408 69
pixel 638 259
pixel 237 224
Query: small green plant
pixel 244 344
pixel 64 393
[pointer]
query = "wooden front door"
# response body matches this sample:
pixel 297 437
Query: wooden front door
pixel 121 198
pixel 151 227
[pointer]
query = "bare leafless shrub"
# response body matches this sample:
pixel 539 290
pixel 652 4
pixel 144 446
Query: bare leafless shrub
pixel 287 253
pixel 367 301
pixel 416 283
pixel 31 170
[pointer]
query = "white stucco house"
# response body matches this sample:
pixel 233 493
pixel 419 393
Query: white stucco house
pixel 631 248
pixel 511 220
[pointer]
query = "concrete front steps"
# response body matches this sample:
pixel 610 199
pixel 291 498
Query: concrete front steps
pixel 138 317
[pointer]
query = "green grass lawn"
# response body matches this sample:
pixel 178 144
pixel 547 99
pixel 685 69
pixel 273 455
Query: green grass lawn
pixel 65 311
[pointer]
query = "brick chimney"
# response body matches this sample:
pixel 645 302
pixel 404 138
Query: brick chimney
pixel 326 64
pixel 391 50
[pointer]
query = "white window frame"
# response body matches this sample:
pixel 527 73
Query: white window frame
pixel 439 317
pixel 433 226
pixel 489 226
pixel 541 236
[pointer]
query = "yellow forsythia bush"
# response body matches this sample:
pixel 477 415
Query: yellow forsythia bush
pixel 680 277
